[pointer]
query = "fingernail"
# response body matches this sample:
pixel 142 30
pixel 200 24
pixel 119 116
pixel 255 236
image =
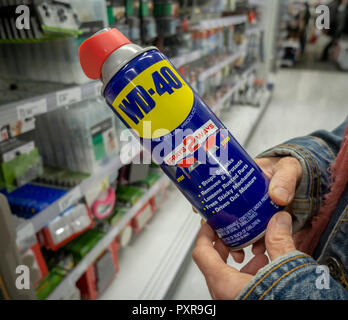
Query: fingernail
pixel 283 219
pixel 202 222
pixel 281 193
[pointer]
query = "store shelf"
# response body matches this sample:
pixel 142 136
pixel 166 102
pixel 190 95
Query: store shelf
pixel 210 71
pixel 187 58
pixel 222 22
pixel 235 88
pixel 150 263
pixel 256 3
pixel 35 224
pixel 28 108
pixel 63 289
pixel 291 44
pixel 242 119
pixel 253 30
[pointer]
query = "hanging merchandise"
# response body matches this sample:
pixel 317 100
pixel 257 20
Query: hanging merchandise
pixel 103 206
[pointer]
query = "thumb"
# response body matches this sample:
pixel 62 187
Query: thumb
pixel 278 238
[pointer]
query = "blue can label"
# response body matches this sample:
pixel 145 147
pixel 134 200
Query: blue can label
pixel 192 147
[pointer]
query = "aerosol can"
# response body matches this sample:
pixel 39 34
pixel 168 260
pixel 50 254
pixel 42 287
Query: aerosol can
pixel 187 140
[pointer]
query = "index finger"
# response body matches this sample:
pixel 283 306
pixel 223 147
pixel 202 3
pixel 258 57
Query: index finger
pixel 205 255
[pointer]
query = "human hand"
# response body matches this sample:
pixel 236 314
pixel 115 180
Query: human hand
pixel 226 282
pixel 285 173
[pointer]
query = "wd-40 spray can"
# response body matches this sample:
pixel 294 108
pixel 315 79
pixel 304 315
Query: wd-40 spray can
pixel 184 136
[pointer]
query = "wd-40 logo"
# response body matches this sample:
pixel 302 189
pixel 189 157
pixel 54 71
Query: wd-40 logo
pixel 158 95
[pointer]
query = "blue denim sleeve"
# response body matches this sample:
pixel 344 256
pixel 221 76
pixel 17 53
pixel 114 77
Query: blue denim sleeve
pixel 316 152
pixel 294 276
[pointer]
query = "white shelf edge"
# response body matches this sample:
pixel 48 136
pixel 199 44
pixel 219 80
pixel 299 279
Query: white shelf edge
pixel 71 278
pixel 163 277
pixel 252 30
pixel 222 22
pixel 262 108
pixel 210 71
pixel 233 90
pixel 181 60
pixel 73 93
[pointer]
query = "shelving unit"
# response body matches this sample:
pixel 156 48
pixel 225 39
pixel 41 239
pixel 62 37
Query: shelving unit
pixel 29 227
pixel 28 108
pixel 150 264
pixel 70 280
pixel 181 225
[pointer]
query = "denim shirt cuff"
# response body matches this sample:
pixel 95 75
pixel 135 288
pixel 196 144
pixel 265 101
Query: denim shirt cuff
pixel 278 279
pixel 315 158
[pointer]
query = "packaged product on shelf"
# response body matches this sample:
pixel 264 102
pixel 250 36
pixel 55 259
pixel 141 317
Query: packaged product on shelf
pixel 61 177
pixel 99 275
pixel 79 138
pixel 103 206
pixel 150 179
pixel 80 246
pixel 125 235
pixel 133 173
pixel 34 260
pixel 48 284
pixel 142 217
pixel 208 165
pixel 158 199
pixel 128 195
pixel 119 212
pixel 30 199
pixel 67 226
pixel 20 163
pixel 59 259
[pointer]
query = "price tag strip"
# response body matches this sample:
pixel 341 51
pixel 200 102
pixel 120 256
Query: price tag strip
pixel 68 96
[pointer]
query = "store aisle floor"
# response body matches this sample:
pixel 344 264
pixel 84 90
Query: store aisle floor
pixel 303 101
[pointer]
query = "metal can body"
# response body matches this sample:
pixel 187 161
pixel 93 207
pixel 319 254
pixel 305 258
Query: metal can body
pixel 193 147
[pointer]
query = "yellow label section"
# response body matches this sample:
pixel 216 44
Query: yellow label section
pixel 155 102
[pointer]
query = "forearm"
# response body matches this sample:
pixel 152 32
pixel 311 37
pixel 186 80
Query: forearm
pixel 294 276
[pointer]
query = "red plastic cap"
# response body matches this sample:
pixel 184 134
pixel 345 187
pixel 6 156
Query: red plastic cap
pixel 94 51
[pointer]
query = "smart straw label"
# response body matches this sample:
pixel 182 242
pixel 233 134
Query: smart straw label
pixel 191 143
